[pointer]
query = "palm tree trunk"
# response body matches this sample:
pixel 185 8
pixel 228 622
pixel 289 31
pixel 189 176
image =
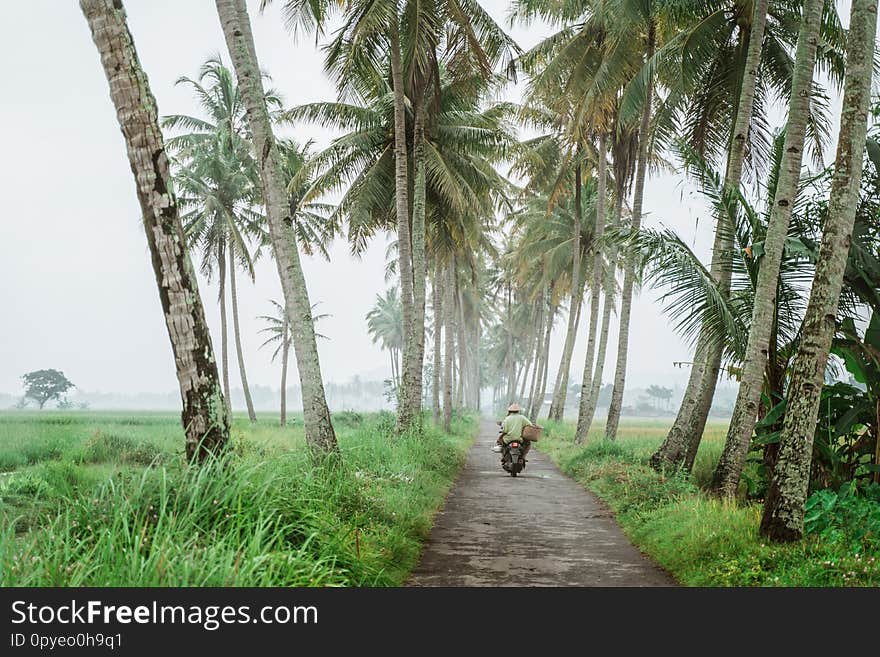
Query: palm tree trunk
pixel 449 356
pixel 204 416
pixel 538 400
pixel 476 366
pixel 585 415
pixel 595 390
pixel 614 408
pixel 539 333
pixel 462 348
pixel 530 359
pixel 742 423
pixel 393 366
pixel 237 334
pixel 285 354
pixel 456 402
pixel 687 430
pixel 401 199
pixel 320 435
pixel 224 331
pixel 438 325
pixel 510 360
pixel 542 389
pixel 608 306
pixel 416 336
pixel 783 518
pixel 560 390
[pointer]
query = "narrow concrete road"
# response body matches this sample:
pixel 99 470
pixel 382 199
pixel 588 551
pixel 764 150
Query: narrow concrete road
pixel 538 529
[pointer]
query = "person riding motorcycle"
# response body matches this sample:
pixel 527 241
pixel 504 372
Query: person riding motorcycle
pixel 512 427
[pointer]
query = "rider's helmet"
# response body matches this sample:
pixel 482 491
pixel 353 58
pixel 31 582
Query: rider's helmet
pixel 514 408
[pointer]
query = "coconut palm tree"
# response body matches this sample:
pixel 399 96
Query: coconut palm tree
pixel 219 188
pixel 747 140
pixel 411 41
pixel 221 221
pixel 204 416
pixel 727 474
pixel 463 141
pixel 623 150
pixel 675 447
pixel 646 22
pixel 783 518
pixel 312 222
pixel 239 40
pixel 280 335
pixel 385 326
pixel 278 328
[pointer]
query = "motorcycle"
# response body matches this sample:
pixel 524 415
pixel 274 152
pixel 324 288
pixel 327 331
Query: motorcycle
pixel 512 455
pixel 512 458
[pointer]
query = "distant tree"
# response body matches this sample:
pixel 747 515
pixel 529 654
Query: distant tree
pixel 605 395
pixel 280 335
pixel 659 393
pixel 385 326
pixel 45 385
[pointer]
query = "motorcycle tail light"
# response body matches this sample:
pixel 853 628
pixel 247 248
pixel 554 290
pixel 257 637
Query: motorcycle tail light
pixel 514 444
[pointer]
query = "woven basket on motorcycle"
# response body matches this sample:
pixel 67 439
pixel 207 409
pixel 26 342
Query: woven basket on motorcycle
pixel 532 432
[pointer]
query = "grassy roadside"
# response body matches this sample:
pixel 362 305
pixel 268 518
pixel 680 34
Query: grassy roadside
pixel 105 500
pixel 700 540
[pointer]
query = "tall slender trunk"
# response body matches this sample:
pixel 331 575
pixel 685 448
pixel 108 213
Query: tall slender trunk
pixel 462 349
pixel 538 400
pixel 476 370
pixel 224 331
pixel 742 423
pixel 585 413
pixel 457 388
pixel 542 392
pixel 530 358
pixel 775 393
pixel 607 308
pixel 539 335
pixel 614 408
pixel 401 201
pixel 438 326
pixel 204 416
pixel 783 518
pixel 511 383
pixel 285 354
pixel 596 389
pixel 687 430
pixel 412 371
pixel 449 355
pixel 320 435
pixel 237 334
pixel 560 390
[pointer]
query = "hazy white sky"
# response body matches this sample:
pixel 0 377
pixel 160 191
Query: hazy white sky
pixel 78 292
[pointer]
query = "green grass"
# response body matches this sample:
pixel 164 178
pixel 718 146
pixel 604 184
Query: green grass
pixel 700 540
pixel 106 500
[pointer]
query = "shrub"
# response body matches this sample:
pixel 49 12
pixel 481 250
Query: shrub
pixel 111 447
pixel 847 516
pixel 347 419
